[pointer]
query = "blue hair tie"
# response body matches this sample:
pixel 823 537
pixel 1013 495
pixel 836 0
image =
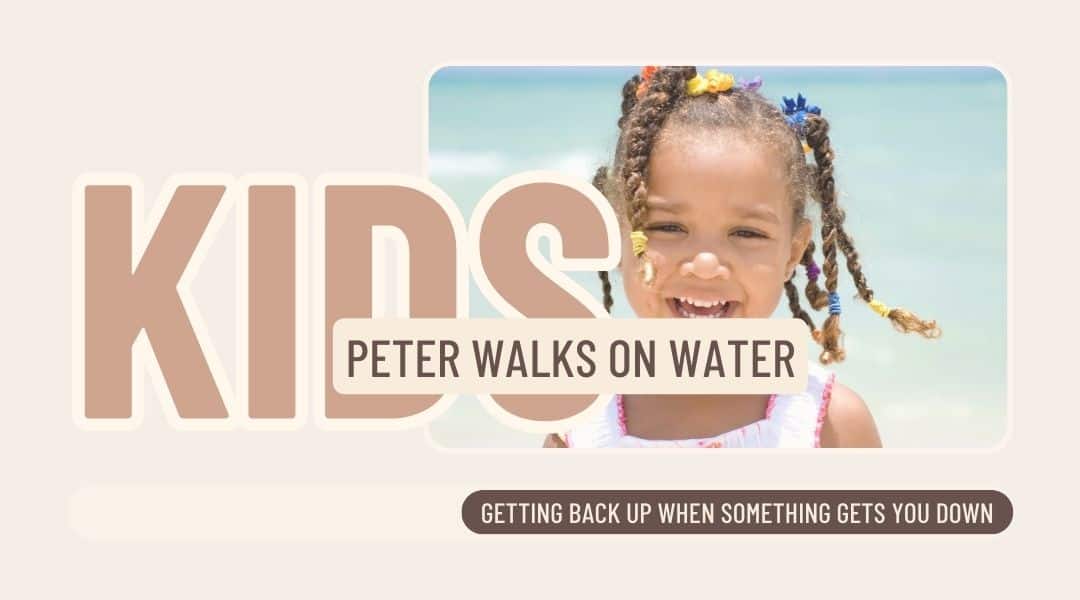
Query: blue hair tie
pixel 834 303
pixel 795 113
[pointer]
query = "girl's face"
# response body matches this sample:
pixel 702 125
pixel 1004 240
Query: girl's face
pixel 722 234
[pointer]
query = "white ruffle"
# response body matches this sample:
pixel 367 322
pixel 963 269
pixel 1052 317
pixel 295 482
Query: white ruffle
pixel 792 421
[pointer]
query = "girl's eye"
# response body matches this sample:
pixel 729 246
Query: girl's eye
pixel 667 227
pixel 748 233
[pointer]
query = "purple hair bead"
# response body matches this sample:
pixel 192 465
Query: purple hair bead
pixel 812 271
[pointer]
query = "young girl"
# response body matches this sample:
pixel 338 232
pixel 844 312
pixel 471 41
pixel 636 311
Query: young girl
pixel 710 181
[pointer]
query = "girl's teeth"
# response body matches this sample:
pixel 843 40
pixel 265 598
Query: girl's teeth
pixel 685 312
pixel 700 303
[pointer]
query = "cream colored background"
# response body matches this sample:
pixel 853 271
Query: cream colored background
pixel 198 86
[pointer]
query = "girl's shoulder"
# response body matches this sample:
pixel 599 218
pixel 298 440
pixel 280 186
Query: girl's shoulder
pixel 847 421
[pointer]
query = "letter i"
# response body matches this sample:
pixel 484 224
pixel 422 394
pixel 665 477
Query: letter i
pixel 271 274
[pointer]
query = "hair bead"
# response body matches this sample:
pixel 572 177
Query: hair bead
pixel 834 303
pixel 880 308
pixel 639 241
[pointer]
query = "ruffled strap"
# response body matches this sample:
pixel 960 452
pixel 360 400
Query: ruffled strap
pixel 798 418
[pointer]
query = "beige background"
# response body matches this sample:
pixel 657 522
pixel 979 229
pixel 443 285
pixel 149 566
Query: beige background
pixel 202 87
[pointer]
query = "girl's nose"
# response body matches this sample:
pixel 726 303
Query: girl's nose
pixel 704 266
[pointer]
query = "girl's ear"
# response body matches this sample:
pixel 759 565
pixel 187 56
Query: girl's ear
pixel 801 239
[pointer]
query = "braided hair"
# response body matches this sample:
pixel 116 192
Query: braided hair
pixel 651 105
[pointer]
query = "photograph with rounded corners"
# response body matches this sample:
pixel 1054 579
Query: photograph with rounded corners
pixel 870 203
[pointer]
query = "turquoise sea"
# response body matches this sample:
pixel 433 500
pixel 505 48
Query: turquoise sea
pixel 921 166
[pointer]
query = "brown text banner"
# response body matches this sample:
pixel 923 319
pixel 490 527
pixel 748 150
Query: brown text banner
pixel 743 511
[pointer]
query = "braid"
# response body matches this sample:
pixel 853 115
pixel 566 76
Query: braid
pixel 814 293
pixel 642 125
pixel 629 98
pixel 834 235
pixel 903 320
pixel 817 136
pixel 600 182
pixel 793 303
pixel 605 285
pixel 793 292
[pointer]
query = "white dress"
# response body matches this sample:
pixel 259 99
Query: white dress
pixel 791 421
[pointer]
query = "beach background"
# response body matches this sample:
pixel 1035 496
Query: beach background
pixel 921 169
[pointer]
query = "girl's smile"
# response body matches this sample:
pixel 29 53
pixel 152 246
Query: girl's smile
pixel 694 308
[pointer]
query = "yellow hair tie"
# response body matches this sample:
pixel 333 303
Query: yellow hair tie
pixel 638 240
pixel 713 82
pixel 879 307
